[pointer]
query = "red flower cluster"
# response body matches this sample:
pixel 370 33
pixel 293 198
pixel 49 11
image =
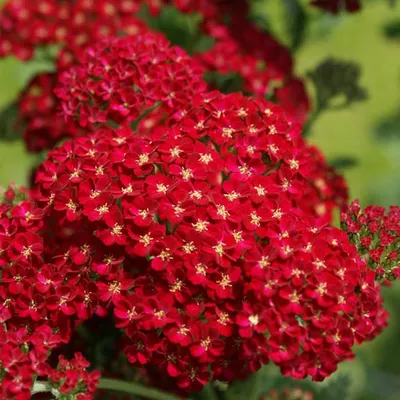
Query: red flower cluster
pixel 25 25
pixel 22 357
pixel 194 237
pixel 376 234
pixel 335 6
pixel 38 310
pixel 256 56
pixel 96 93
pixel 121 78
pixel 72 378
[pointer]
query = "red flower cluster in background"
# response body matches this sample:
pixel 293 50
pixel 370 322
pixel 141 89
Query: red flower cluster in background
pixel 376 234
pixel 70 25
pixel 73 24
pixel 262 62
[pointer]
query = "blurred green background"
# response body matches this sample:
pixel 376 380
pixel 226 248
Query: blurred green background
pixel 359 131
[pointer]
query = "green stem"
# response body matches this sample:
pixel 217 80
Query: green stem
pixel 134 388
pixel 134 124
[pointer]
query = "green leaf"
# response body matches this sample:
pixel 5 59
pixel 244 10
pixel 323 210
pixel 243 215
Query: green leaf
pixel 343 162
pixel 335 79
pixel 228 83
pixel 47 53
pixel 392 30
pixel 260 20
pixel 180 29
pixel 296 21
pixel 336 85
pixel 258 15
pixel 8 119
pixel 203 44
pixel 42 62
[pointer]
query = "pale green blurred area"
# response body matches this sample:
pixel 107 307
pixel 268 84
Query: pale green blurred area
pixel 349 132
pixel 14 160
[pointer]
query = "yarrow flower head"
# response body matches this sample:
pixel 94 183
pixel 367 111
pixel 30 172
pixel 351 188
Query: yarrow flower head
pixel 71 380
pixel 195 237
pixel 120 78
pixel 376 234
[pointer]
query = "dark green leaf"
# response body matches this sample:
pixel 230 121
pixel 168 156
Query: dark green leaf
pixel 392 30
pixel 337 80
pixel 296 21
pixel 180 29
pixel 260 20
pixel 225 83
pixel 337 86
pixel 8 119
pixel 343 162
